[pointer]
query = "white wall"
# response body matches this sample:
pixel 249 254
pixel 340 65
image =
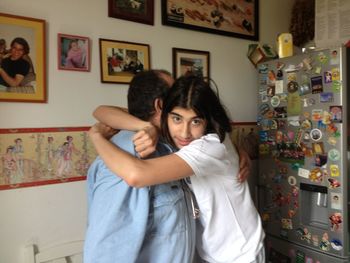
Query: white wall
pixel 56 213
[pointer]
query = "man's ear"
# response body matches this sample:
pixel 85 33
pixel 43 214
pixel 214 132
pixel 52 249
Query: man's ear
pixel 158 105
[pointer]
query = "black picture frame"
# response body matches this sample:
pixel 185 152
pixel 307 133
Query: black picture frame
pixel 189 60
pixel 239 20
pixel 142 12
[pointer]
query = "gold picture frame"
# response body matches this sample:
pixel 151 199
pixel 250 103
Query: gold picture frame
pixel 120 60
pixel 32 88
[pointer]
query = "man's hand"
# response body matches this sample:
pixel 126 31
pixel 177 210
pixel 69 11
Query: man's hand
pixel 106 131
pixel 244 165
pixel 146 140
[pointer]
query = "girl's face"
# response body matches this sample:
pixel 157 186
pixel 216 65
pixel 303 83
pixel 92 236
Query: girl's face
pixel 185 126
pixel 74 45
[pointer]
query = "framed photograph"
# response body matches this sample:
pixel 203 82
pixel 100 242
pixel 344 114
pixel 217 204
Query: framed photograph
pixel 245 135
pixel 73 52
pixel 38 156
pixel 120 61
pixel 141 11
pixel 22 59
pixel 231 18
pixel 188 61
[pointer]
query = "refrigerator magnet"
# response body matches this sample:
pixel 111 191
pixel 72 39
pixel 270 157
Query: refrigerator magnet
pixel 286 223
pixel 316 114
pixel 327 76
pixel 318 148
pixel 334 155
pixel 336 201
pixel 334 168
pixel 279 74
pixel 316 175
pixel 279 86
pixel 336 220
pixel 271 91
pixel 324 244
pixel 320 160
pixel 333 183
pixel 326 97
pixel 334 58
pixel 336 113
pixel 292 180
pixel 336 86
pixel 335 74
pixel 316 134
pixel 306 124
pixel 303 173
pixel 307 63
pixel 336 244
pixel 290 68
pixel 275 101
pixel 271 78
pixel 315 240
pixel 322 58
pixel 304 89
pixel 316 85
pixel 332 140
pixel 318 70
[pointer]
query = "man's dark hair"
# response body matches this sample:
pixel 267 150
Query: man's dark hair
pixel 23 42
pixel 145 88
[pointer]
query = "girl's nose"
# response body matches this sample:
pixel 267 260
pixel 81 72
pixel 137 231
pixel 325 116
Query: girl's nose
pixel 185 132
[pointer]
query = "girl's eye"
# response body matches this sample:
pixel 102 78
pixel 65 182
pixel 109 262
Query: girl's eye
pixel 176 119
pixel 197 122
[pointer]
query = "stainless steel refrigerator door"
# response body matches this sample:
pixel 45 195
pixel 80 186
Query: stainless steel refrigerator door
pixel 304 199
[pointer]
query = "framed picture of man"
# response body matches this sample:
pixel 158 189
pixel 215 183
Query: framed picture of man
pixel 120 60
pixel 22 59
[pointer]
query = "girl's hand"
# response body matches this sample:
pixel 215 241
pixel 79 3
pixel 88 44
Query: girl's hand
pixel 146 140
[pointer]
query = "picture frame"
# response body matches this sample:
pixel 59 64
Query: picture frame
pixel 73 52
pixel 140 11
pixel 120 60
pixel 40 156
pixel 189 61
pixel 239 19
pixel 245 135
pixel 31 34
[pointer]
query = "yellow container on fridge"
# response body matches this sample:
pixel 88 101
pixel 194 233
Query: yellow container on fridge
pixel 285 45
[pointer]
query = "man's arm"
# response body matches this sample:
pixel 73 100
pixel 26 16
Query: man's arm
pixel 119 118
pixel 245 164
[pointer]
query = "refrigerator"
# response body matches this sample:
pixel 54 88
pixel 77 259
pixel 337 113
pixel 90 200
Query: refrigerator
pixel 303 178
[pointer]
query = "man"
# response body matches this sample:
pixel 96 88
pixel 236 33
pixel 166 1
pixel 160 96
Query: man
pixel 14 68
pixel 126 224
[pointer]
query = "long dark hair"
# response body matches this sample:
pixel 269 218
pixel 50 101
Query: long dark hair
pixel 193 92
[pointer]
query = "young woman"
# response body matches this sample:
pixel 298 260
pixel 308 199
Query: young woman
pixel 195 122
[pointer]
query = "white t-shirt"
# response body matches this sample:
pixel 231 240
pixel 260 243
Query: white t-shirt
pixel 230 228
